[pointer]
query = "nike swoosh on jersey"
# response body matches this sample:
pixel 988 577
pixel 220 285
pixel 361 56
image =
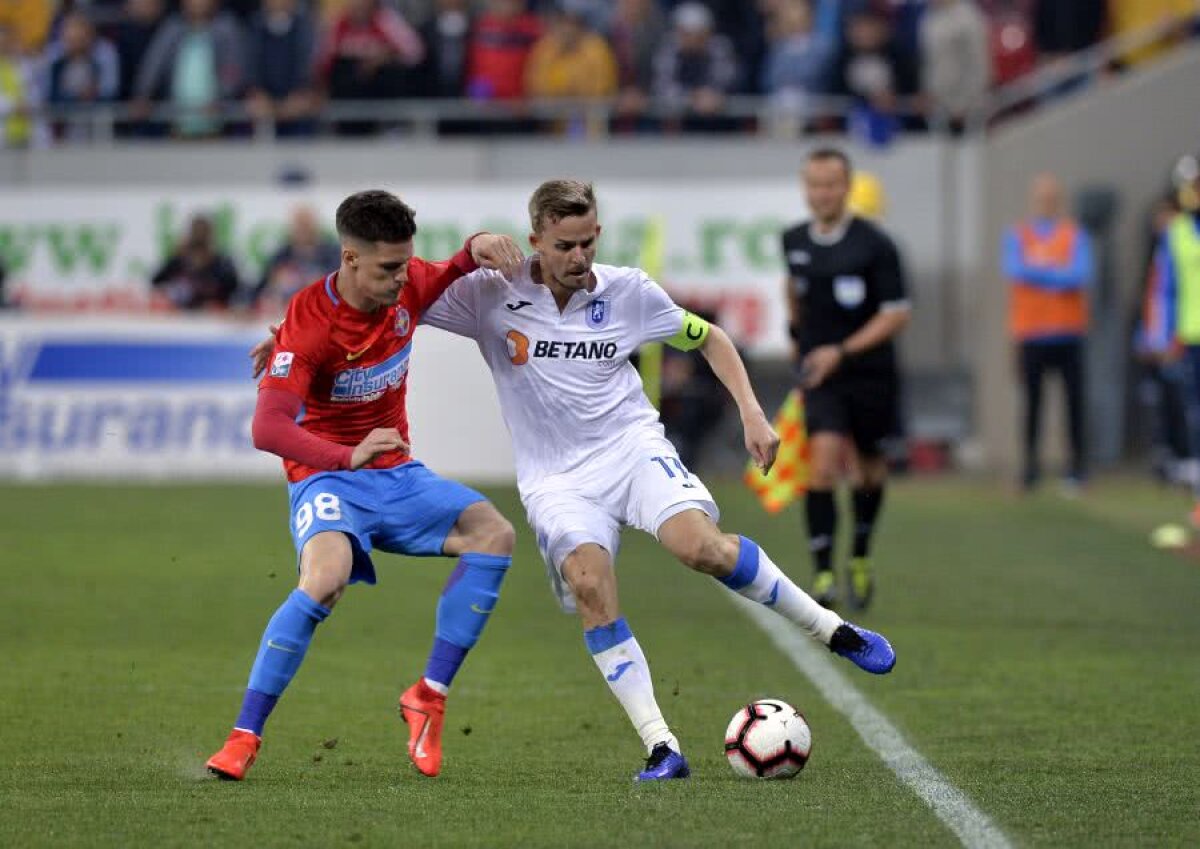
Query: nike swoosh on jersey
pixel 519 305
pixel 352 355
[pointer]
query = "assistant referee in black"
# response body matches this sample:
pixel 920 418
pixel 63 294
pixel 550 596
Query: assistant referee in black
pixel 847 302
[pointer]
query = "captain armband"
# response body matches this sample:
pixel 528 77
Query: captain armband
pixel 692 335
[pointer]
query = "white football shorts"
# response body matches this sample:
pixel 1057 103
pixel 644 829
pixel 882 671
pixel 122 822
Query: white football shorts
pixel 641 483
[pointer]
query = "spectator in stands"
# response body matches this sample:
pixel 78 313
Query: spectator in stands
pixel 197 275
pixel 307 255
pixel 638 27
pixel 798 59
pixel 133 35
pixel 29 24
pixel 500 45
pixel 956 68
pixel 1061 27
pixel 1129 16
pixel 18 93
pixel 1011 40
pixel 281 46
pixel 370 52
pixel 695 67
pixel 570 60
pixel 742 23
pixel 196 62
pixel 446 35
pixel 80 67
pixel 906 17
pixel 876 72
pixel 1047 259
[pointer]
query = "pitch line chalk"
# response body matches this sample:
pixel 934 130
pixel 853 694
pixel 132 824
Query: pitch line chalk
pixel 973 828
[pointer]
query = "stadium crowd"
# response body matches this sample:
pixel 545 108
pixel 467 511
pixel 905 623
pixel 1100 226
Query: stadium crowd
pixel 910 63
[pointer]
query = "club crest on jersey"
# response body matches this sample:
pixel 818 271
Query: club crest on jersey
pixel 597 314
pixel 402 322
pixel 849 290
pixel 281 366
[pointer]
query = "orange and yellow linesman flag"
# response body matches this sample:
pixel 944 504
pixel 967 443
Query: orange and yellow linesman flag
pixel 788 478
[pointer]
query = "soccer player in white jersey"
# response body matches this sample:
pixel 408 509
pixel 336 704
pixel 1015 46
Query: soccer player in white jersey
pixel 590 451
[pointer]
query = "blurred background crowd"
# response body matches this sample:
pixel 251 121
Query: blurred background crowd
pixel 201 68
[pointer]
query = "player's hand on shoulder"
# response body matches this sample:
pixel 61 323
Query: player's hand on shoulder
pixel 497 252
pixel 260 354
pixel 761 440
pixel 379 441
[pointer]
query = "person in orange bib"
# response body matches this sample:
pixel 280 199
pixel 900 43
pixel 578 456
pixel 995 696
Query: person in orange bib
pixel 1048 261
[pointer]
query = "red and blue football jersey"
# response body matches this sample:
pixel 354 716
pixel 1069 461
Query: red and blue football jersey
pixel 349 366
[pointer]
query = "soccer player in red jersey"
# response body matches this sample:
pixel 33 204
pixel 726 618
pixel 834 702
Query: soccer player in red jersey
pixel 332 406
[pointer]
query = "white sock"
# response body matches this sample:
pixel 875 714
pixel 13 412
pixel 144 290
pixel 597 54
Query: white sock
pixel 437 686
pixel 768 585
pixel 621 662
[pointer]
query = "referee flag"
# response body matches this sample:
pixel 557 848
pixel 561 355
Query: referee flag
pixel 788 478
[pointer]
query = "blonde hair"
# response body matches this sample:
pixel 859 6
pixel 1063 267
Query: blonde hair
pixel 555 200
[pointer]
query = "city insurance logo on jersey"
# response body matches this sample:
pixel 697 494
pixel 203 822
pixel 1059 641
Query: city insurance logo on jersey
pixel 96 400
pixel 519 345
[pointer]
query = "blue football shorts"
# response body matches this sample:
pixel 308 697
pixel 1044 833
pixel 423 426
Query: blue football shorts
pixel 403 510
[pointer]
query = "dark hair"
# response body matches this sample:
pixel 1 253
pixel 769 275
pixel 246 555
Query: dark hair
pixel 376 216
pixel 555 200
pixel 821 154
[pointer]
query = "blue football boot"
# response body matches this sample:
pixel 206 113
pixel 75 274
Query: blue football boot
pixel 664 763
pixel 867 650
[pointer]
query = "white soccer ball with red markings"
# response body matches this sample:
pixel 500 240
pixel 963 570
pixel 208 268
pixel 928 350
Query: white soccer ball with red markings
pixel 768 739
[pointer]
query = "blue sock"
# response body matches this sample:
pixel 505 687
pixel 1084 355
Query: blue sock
pixel 604 637
pixel 280 653
pixel 467 602
pixel 746 569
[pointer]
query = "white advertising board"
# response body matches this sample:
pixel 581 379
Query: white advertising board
pixel 172 399
pixel 714 244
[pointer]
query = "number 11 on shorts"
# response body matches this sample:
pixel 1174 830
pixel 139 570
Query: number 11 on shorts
pixel 667 462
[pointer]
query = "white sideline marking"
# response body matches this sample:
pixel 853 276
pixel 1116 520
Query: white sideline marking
pixel 974 828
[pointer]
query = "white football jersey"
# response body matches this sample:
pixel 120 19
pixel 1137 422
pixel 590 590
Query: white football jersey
pixel 567 390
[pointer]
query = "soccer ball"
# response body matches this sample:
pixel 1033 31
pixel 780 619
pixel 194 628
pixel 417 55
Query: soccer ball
pixel 768 739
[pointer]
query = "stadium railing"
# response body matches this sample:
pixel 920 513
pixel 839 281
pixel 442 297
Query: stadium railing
pixel 105 123
pixel 1074 70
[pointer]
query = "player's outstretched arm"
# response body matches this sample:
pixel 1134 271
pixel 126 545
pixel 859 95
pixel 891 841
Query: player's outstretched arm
pixel 761 440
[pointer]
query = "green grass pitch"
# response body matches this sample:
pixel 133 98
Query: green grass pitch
pixel 1049 667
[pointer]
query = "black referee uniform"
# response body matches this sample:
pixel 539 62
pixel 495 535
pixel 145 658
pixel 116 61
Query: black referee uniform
pixel 841 281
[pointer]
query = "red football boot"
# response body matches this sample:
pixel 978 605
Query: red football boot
pixel 424 709
pixel 234 760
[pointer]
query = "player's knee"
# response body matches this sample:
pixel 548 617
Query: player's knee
pixel 324 587
pixel 872 470
pixel 588 580
pixel 709 553
pixel 822 478
pixel 495 535
pixel 589 591
pixel 823 473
